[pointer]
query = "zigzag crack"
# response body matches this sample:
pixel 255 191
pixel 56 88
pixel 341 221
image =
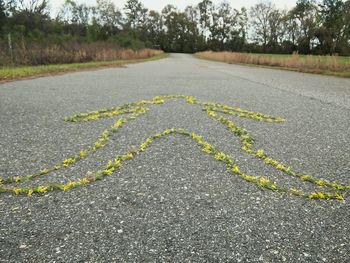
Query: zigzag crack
pixel 134 110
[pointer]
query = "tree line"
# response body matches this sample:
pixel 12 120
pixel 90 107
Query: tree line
pixel 310 27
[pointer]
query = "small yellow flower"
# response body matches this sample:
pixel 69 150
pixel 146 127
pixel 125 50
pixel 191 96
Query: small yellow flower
pixel 211 113
pixel 260 153
pixel 83 181
pixel 17 179
pixel 321 182
pixel 249 178
pixel 236 170
pixel 306 178
pixel 191 100
pixel 68 162
pixel 339 196
pixel 268 160
pixel 166 132
pixel 45 171
pixel 318 195
pixel 68 186
pixel 108 171
pixel 143 147
pixel 110 164
pixel 105 134
pixel 264 181
pixel 280 167
pixel 17 190
pixel 98 145
pixel 42 189
pixel 207 148
pixel 117 163
pixel 220 156
pixel 92 117
pixel 294 191
pixel 83 153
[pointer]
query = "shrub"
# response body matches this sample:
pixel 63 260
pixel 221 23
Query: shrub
pixel 73 52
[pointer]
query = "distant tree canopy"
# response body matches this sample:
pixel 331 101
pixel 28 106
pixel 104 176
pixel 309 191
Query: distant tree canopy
pixel 310 27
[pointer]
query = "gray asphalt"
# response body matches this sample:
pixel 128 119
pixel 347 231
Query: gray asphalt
pixel 173 203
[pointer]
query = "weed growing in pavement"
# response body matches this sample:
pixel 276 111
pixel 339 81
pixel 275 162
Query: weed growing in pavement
pixel 214 110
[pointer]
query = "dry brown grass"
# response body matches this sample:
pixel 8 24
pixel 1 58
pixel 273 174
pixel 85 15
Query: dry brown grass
pixel 27 72
pixel 70 53
pixel 333 65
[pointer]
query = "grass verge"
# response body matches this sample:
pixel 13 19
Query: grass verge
pixel 26 72
pixel 325 65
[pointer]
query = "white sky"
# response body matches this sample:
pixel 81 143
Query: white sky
pixel 159 4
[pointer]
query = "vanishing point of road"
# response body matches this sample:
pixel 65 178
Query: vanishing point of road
pixel 173 203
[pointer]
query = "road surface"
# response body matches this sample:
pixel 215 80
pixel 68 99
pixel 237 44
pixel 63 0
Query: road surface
pixel 173 203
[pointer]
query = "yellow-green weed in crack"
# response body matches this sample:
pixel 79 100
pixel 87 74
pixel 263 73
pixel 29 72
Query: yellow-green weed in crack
pixel 216 111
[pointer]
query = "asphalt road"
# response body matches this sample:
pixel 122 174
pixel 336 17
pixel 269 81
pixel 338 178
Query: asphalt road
pixel 173 203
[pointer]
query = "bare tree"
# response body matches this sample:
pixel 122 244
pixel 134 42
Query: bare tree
pixel 73 13
pixel 34 6
pixel 260 15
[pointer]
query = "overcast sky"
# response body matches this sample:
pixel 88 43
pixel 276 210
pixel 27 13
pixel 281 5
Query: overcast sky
pixel 159 4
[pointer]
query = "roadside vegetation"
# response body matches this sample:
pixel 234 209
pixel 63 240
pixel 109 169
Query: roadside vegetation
pixel 328 65
pixel 32 34
pixel 22 72
pixel 74 53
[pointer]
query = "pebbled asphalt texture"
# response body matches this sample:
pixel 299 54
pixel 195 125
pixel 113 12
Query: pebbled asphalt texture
pixel 173 203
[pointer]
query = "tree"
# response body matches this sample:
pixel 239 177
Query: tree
pixel 331 18
pixel 292 31
pixel 196 40
pixel 76 18
pixel 3 14
pixel 260 21
pixel 32 17
pixel 206 9
pixel 135 13
pixel 180 31
pixel 192 13
pixel 277 29
pixel 242 21
pixel 73 13
pixel 34 6
pixel 345 40
pixel 153 28
pixel 311 26
pixel 108 15
pixel 223 27
pixel 304 16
